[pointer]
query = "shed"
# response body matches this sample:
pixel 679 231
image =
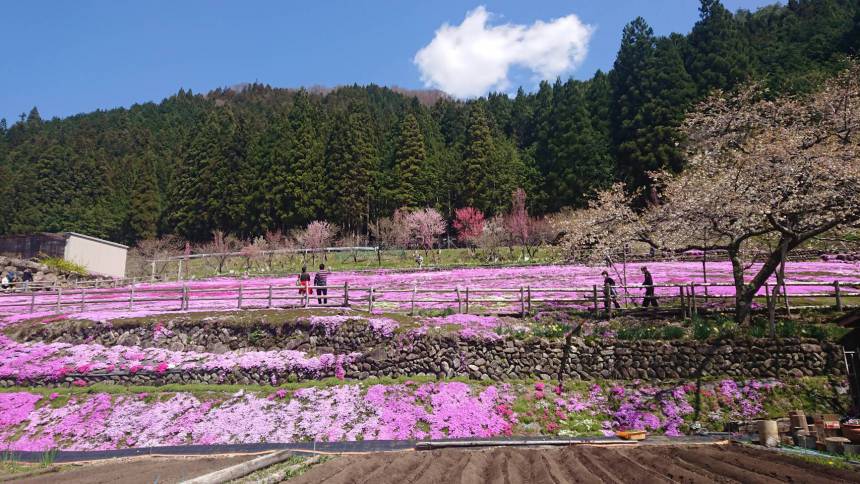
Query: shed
pixel 97 256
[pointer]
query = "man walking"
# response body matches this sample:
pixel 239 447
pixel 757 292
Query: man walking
pixel 321 280
pixel 27 278
pixel 609 286
pixel 650 299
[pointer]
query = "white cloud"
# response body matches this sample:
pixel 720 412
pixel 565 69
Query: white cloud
pixel 472 58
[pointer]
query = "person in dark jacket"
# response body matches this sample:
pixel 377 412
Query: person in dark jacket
pixel 610 283
pixel 27 278
pixel 650 299
pixel 320 281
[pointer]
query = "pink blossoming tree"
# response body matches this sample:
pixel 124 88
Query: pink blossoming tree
pixel 425 227
pixel 469 224
pixel 317 235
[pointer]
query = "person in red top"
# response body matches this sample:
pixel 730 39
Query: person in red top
pixel 304 282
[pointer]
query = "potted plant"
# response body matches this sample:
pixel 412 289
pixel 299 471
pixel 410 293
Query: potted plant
pixel 851 430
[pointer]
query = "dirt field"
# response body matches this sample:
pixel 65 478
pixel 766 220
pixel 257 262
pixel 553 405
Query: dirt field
pixel 143 470
pixel 703 463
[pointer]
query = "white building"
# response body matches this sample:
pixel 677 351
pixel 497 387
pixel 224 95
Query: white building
pixel 97 256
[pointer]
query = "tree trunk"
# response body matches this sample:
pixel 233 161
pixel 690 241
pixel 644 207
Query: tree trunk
pixel 745 292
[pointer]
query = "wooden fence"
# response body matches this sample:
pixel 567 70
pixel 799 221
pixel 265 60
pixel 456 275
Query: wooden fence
pixel 686 299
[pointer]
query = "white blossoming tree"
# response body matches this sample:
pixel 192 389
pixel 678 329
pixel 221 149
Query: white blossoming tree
pixel 762 175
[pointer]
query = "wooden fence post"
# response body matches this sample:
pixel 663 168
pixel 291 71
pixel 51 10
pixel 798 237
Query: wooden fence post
pixel 239 305
pixel 183 301
pixel 414 292
pixel 771 309
pixel 131 298
pixel 459 301
pixel 467 299
pixel 683 302
pixel 607 301
pixel 838 295
pixel 152 274
pixel 594 297
pixel 346 294
pixel 693 307
pixel 269 305
pixel 59 298
pixel 179 271
pixel 522 301
pixel 83 299
pixel 32 301
pixel 529 299
pixel 370 301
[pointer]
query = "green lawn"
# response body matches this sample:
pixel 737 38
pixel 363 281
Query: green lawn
pixel 346 261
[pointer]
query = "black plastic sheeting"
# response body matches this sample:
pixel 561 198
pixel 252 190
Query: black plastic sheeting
pixel 327 447
pixel 299 448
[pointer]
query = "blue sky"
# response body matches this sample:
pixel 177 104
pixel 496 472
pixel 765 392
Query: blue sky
pixel 69 57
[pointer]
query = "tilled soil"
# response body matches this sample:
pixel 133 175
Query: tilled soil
pixel 586 464
pixel 143 470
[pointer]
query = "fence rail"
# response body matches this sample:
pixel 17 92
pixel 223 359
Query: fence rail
pixel 687 299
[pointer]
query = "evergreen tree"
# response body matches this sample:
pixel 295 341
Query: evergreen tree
pixel 579 162
pixel 352 162
pixel 670 91
pixel 307 183
pixel 476 159
pixel 34 119
pixel 718 56
pixel 629 95
pixel 410 158
pixel 144 210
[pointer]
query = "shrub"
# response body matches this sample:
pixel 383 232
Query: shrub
pixel 639 332
pixel 62 265
pixel 702 329
pixel 786 328
pixel 550 330
pixel 673 332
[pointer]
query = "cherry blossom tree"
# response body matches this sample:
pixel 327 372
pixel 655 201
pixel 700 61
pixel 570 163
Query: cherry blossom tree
pixel 391 232
pixel 273 240
pixel 493 236
pixel 318 235
pixel 762 175
pixel 155 249
pixel 222 246
pixel 425 227
pixel 524 230
pixel 253 250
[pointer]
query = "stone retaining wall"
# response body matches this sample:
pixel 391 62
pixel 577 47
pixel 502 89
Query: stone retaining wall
pixel 451 356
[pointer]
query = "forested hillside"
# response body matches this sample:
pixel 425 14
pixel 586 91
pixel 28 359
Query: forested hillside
pixel 261 158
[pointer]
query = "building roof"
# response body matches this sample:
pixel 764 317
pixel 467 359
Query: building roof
pixel 95 239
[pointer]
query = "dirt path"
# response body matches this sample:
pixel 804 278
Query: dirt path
pixel 142 470
pixel 576 464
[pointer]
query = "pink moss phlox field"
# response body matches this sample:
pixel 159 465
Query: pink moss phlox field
pixel 255 291
pixel 346 412
pixel 53 361
pixel 330 324
pixel 471 326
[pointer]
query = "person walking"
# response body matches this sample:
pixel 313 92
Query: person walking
pixel 321 281
pixel 609 284
pixel 26 279
pixel 650 299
